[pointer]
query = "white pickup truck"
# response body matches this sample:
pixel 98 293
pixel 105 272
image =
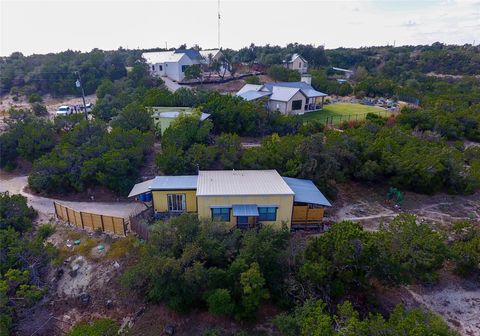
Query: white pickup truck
pixel 63 111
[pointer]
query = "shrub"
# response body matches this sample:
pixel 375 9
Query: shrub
pixel 45 231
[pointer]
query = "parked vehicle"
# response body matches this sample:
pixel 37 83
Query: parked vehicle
pixel 63 110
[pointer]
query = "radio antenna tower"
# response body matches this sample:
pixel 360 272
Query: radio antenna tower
pixel 218 24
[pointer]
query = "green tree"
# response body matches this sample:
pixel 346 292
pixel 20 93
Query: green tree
pixel 466 248
pixel 193 71
pixel 407 251
pixel 15 213
pixel 282 74
pixel 134 116
pixel 220 302
pixel 253 289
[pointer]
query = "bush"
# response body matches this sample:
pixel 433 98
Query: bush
pixel 34 98
pixel 252 80
pixel 39 109
pixel 15 213
pixel 45 231
pixel 220 302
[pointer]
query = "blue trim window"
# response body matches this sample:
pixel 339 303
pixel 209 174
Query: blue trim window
pixel 267 214
pixel 222 214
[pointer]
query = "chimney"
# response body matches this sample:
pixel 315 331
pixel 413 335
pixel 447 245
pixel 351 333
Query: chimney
pixel 306 78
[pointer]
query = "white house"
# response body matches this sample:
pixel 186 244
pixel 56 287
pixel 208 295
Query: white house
pixel 210 54
pixel 297 62
pixel 286 97
pixel 171 64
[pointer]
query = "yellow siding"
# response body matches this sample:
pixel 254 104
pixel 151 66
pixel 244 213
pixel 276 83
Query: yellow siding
pixel 161 204
pixel 284 211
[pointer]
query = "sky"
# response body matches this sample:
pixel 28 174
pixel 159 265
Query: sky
pixel 40 27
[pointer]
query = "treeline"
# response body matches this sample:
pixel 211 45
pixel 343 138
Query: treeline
pixel 372 152
pixel 55 74
pixel 190 263
pixel 24 259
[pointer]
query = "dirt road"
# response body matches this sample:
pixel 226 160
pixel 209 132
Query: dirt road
pixel 44 205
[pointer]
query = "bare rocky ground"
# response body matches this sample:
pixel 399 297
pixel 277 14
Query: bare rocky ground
pixel 455 299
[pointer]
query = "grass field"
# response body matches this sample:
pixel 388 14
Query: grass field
pixel 336 113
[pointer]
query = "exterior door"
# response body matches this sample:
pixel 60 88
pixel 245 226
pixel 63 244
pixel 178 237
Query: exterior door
pixel 176 202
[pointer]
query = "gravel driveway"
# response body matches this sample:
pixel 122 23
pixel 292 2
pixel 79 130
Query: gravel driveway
pixel 44 205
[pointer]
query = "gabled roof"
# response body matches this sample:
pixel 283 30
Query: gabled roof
pixel 306 192
pixel 191 53
pixel 284 94
pixel 307 89
pixel 252 95
pixel 206 52
pixel 241 183
pixel 161 57
pixel 295 56
pixel 249 87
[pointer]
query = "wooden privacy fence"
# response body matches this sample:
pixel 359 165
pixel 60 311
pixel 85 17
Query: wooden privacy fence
pixel 139 223
pixel 86 220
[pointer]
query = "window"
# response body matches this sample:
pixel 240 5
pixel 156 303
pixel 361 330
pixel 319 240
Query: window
pixel 176 202
pixel 296 105
pixel 299 64
pixel 267 214
pixel 184 67
pixel 242 220
pixel 160 67
pixel 222 214
pixel 153 67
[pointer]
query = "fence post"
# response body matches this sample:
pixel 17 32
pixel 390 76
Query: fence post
pixel 81 220
pixel 55 207
pixel 103 227
pixel 68 216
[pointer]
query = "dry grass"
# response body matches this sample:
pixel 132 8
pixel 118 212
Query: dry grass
pixel 123 247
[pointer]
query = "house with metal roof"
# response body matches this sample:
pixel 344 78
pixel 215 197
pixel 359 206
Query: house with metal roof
pixel 173 63
pixel 163 117
pixel 286 97
pixel 296 62
pixel 240 198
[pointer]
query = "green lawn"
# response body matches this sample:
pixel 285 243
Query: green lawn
pixel 336 113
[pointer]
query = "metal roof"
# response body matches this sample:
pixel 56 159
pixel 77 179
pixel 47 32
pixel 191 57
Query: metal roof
pixel 245 210
pixel 206 52
pixel 249 87
pixel 283 94
pixel 306 192
pixel 140 188
pixel 182 182
pixel 341 69
pixel 162 57
pixel 241 183
pixel 191 53
pixel 307 89
pixel 175 114
pixel 252 95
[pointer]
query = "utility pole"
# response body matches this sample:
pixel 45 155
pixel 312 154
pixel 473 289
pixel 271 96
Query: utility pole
pixel 218 24
pixel 78 83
